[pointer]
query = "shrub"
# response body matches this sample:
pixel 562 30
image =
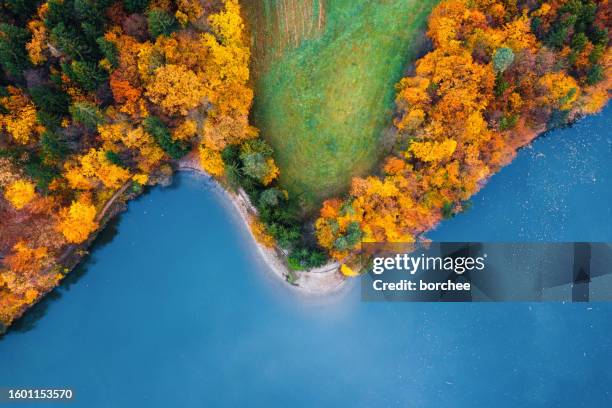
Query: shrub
pixel 271 197
pixel 447 210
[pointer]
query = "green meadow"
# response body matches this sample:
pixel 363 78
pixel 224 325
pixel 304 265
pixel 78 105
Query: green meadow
pixel 324 74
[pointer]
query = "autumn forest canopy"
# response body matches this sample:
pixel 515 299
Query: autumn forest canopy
pixel 499 74
pixel 99 99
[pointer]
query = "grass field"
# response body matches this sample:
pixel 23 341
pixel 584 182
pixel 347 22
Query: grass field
pixel 324 77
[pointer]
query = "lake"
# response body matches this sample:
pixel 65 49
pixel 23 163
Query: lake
pixel 174 308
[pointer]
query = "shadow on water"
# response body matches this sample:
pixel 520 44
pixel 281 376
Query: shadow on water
pixel 175 183
pixel 30 318
pixel 33 315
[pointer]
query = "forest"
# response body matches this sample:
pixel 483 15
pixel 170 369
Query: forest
pixel 101 98
pixel 499 74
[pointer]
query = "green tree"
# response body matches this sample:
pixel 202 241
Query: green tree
pixel 87 114
pixel 559 32
pixel 41 172
pixel 87 74
pixel 579 41
pixel 255 165
pixel 70 42
pixel 447 210
pixel 595 74
pixel 90 10
pixel 158 129
pixel 231 155
pixel 353 234
pixel 502 59
pixel 50 100
pixel 161 23
pixel 351 238
pixel 306 258
pixel 254 155
pixel 501 85
pixel 13 56
pixel 75 26
pixel 109 50
pixel 53 150
pixel 271 197
pixel 22 9
pixel 135 6
pixel 113 158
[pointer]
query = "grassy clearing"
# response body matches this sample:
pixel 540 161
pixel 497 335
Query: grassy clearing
pixel 325 73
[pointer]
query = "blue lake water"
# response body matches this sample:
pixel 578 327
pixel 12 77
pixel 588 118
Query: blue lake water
pixel 174 309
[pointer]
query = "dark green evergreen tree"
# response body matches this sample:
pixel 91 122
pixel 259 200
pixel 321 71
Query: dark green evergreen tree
pixel 158 129
pixel 135 6
pixel 89 75
pixel 13 56
pixel 161 23
pixel 87 114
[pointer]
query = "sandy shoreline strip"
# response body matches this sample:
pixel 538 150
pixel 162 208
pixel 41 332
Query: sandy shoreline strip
pixel 324 280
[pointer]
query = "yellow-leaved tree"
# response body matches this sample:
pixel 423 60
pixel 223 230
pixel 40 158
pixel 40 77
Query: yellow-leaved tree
pixel 20 193
pixel 20 119
pixel 77 221
pixel 94 166
pixel 176 89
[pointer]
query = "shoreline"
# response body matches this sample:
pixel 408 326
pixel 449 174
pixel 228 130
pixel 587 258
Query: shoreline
pixel 320 281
